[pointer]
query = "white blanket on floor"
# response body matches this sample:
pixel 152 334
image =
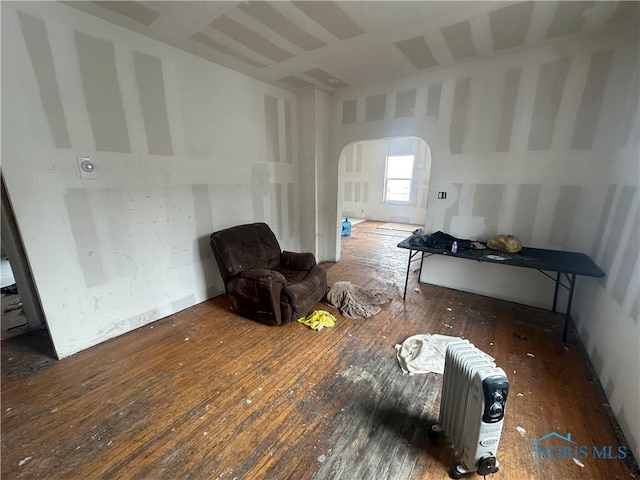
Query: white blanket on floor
pixel 423 353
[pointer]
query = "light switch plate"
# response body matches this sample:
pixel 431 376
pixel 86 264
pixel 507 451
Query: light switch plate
pixel 87 167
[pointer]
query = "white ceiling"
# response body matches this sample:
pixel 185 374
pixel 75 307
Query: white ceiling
pixel 332 45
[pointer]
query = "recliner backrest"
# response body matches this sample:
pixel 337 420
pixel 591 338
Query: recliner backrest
pixel 243 247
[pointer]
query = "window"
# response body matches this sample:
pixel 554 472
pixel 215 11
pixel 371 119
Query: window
pixel 397 179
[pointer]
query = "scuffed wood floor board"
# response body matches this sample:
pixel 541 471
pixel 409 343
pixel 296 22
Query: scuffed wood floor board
pixel 205 394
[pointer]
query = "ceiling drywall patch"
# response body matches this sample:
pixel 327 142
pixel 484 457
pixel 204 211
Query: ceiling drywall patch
pixel 36 39
pixel 624 11
pixel 250 39
pixel 509 98
pixel 405 103
pixel 459 40
pixel 153 103
pixel 620 218
pixel 295 82
pixel 569 18
pixel 564 214
pixel 83 229
pixel 375 108
pixel 509 25
pixel 433 100
pixel 525 212
pixel 459 115
pixel 272 18
pixel 211 43
pixel 326 78
pixel 102 93
pixel 417 52
pixel 589 111
pixel 331 17
pixel 271 128
pixel 134 10
pixel 349 109
pixel 551 82
pixel 623 282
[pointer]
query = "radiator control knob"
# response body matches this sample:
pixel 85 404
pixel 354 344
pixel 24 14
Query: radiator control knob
pixel 497 397
pixel 496 410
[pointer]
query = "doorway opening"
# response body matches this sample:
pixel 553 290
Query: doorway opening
pixel 385 181
pixel 22 319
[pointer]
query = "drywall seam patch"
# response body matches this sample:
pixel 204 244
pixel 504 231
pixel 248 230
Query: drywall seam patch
pixel 591 103
pixel 150 81
pixel 564 214
pixel 551 81
pixel 83 229
pixel 36 39
pixel 271 128
pixel 509 98
pixel 459 115
pixel 102 94
pixel 525 212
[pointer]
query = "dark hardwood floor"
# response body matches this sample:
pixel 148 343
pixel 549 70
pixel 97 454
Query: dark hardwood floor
pixel 205 394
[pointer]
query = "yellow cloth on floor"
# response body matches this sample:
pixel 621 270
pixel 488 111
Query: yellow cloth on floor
pixel 318 319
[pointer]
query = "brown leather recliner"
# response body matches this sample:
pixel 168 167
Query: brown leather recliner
pixel 261 281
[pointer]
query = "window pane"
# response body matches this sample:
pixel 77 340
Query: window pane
pixel 400 166
pixel 398 190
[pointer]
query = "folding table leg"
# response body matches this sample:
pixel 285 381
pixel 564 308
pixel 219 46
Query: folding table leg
pixel 567 316
pixel 555 293
pixel 406 280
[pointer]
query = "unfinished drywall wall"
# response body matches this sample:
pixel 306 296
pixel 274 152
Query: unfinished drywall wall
pixel 541 143
pixel 362 180
pixel 182 147
pixel 503 169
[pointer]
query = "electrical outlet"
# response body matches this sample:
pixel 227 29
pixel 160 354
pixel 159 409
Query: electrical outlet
pixel 442 195
pixel 87 168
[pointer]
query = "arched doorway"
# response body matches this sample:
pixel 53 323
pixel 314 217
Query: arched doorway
pixel 385 179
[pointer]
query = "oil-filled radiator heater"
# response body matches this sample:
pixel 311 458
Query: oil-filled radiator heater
pixel 474 394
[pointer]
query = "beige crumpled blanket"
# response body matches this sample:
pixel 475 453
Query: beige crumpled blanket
pixel 423 353
pixel 354 301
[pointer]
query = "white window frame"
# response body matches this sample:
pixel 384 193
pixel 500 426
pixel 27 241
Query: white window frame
pixel 387 177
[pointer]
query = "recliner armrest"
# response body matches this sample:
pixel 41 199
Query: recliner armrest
pixel 262 275
pixel 255 293
pixel 297 261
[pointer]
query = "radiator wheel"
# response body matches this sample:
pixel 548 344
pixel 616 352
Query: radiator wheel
pixel 455 473
pixel 487 465
pixel 434 431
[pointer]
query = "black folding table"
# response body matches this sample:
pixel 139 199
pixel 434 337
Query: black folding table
pixel 567 264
